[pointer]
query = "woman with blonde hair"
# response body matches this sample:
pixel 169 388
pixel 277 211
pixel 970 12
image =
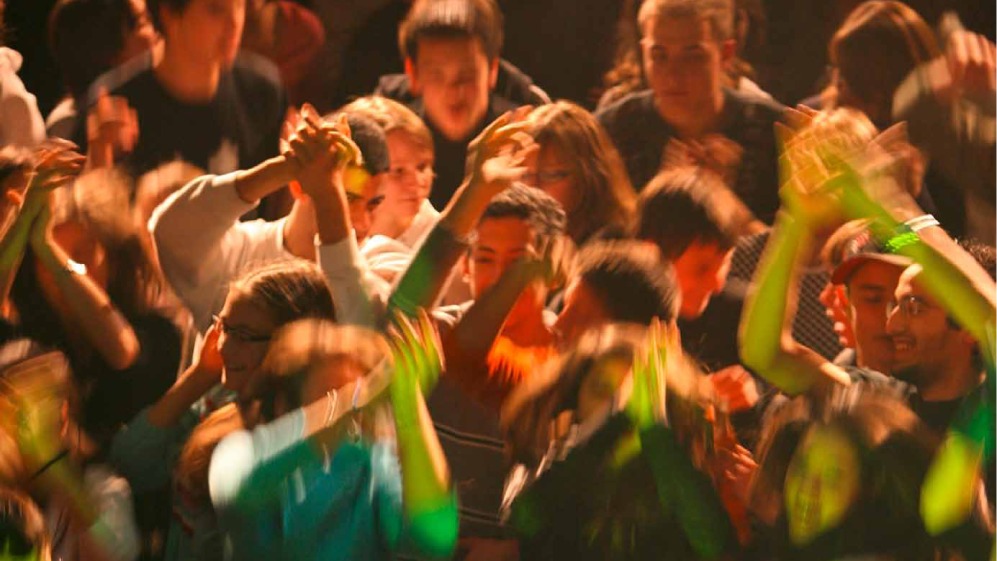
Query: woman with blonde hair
pixel 578 165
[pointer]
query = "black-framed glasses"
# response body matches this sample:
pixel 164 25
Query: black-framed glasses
pixel 239 333
pixel 910 306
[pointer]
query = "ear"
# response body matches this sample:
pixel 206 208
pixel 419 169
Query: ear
pixel 413 79
pixel 493 67
pixel 465 267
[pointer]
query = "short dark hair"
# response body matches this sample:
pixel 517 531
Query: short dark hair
pixel 154 5
pixel 682 206
pixel 369 137
pixel 544 214
pixel 630 281
pixel 985 255
pixel 477 19
pixel 86 37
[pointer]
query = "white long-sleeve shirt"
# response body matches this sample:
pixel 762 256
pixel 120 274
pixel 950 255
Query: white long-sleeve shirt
pixel 203 247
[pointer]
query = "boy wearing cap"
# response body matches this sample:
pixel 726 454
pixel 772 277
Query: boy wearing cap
pixel 869 276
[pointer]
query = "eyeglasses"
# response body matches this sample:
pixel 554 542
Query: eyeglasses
pixel 238 333
pixel 910 306
pixel 544 177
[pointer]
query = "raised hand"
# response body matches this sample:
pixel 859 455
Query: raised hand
pixel 415 351
pixel 497 157
pixel 322 153
pixel 56 164
pixel 112 129
pixel 647 404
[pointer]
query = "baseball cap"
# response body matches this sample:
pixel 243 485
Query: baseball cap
pixel 854 248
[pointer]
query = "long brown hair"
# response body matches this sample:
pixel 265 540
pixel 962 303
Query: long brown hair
pixel 876 47
pixel 604 194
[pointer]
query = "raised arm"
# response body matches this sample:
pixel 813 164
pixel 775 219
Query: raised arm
pixel 493 167
pixel 765 334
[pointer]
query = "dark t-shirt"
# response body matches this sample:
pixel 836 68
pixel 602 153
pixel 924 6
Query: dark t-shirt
pixel 451 156
pixel 237 129
pixel 640 134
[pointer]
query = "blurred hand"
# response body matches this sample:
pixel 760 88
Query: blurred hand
pixel 497 157
pixel 112 129
pixel 735 387
pixel 415 351
pixel 714 152
pixel 209 362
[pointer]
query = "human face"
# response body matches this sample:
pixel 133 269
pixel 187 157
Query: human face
pixel 206 32
pixel 822 484
pixel 683 65
pixel 141 36
pixel 362 198
pixel 582 311
pixel 924 342
pixel 870 290
pixel 552 172
pixel 245 332
pixel 454 77
pixel 701 271
pixel 409 179
pixel 500 243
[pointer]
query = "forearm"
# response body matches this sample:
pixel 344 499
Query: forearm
pixel 192 384
pixel 425 476
pixel 12 247
pixel 332 218
pixel 465 208
pixel 426 275
pixel 266 178
pixel 96 317
pixel 765 333
pixel 477 329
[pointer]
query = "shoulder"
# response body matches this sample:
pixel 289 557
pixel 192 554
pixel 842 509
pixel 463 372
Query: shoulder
pixel 631 107
pixel 755 107
pixel 123 77
pixel 253 70
pixel 396 87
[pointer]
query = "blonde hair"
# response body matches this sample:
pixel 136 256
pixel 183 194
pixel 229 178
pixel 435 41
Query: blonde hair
pixel 392 116
pixel 603 191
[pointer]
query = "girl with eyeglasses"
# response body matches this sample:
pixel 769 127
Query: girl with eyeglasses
pixel 171 442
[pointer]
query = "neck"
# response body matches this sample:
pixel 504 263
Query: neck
pixel 959 377
pixel 704 119
pixel 390 224
pixel 186 81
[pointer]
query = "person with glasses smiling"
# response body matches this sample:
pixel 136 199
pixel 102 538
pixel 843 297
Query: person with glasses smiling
pixel 171 441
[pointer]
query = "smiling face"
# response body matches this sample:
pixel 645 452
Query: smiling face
pixel 925 343
pixel 206 32
pixel 408 181
pixel 683 65
pixel 822 484
pixel 454 77
pixel 246 329
pixel 870 290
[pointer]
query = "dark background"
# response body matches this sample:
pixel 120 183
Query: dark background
pixel 565 45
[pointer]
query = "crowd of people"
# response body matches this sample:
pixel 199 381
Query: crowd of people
pixel 456 319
